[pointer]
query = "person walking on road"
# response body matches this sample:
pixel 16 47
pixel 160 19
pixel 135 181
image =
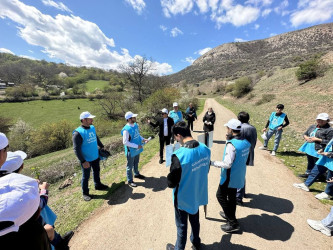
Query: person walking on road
pixel 190 115
pixel 249 133
pixel 276 122
pixel 189 179
pixel 133 142
pixel 208 120
pixel 165 124
pixel 233 170
pixel 176 114
pixel 86 143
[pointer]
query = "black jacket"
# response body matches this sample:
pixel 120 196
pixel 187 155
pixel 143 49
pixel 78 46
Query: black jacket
pixel 208 118
pixel 325 133
pixel 160 124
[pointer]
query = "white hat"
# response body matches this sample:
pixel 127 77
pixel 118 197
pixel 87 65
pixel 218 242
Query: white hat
pixel 323 116
pixel 19 200
pixel 234 124
pixel 86 114
pixel 164 111
pixel 175 104
pixel 3 141
pixel 14 161
pixel 129 114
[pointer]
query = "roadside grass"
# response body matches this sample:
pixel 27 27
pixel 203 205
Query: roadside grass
pixel 200 106
pixel 302 104
pixel 92 85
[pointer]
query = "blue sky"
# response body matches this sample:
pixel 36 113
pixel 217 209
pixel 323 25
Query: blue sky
pixel 108 33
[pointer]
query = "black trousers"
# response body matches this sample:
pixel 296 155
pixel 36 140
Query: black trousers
pixel 163 140
pixel 227 198
pixel 190 124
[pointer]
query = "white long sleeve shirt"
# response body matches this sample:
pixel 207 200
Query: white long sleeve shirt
pixel 229 158
pixel 126 141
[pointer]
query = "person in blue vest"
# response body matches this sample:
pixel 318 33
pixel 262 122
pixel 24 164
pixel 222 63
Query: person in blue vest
pixel 191 115
pixel 133 142
pixel 176 114
pixel 85 144
pixel 275 124
pixel 233 170
pixel 189 179
pixel 316 137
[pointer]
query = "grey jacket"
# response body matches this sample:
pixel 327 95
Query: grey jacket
pixel 325 133
pixel 249 133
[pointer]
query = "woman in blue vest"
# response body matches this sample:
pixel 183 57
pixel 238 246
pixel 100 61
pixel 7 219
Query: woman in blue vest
pixel 189 179
pixel 233 170
pixel 176 114
pixel 133 142
pixel 276 122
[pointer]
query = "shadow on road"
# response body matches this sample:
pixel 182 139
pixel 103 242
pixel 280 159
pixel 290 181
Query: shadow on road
pixel 267 227
pixel 156 184
pixel 225 244
pixel 219 142
pixel 269 203
pixel 123 194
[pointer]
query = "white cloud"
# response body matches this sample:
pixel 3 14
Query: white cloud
pixel 67 38
pixel 240 40
pixel 256 26
pixel 59 6
pixel 259 2
pixel 266 12
pixel 161 68
pixel 162 27
pixel 189 59
pixel 175 32
pixel 281 8
pixel 314 11
pixel 3 50
pixel 138 5
pixel 174 7
pixel 29 57
pixel 272 34
pixel 203 51
pixel 203 6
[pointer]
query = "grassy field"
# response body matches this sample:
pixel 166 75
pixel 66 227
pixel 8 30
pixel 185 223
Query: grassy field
pixel 92 85
pixel 38 112
pixel 302 104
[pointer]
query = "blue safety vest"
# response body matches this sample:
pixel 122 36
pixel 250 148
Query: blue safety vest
pixel 276 121
pixel 309 147
pixel 324 160
pixel 176 116
pixel 134 138
pixel 193 186
pixel 238 167
pixel 89 146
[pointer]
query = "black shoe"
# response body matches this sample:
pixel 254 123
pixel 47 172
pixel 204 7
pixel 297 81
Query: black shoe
pixel 170 247
pixel 101 187
pixel 87 197
pixel 239 202
pixel 140 176
pixel 223 215
pixel 228 228
pixel 161 161
pixel 63 243
pixel 304 175
pixel 132 184
pixel 194 247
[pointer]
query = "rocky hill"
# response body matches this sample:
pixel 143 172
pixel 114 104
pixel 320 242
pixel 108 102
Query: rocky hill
pixel 243 58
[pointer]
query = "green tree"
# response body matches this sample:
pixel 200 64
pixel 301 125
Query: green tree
pixel 309 70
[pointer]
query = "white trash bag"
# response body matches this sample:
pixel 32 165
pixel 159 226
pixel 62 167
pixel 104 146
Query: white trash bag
pixel 264 136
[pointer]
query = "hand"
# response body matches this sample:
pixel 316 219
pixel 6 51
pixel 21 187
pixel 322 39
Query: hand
pixel 315 139
pixel 279 128
pixel 264 130
pixel 86 164
pixel 148 121
pixel 139 147
pixel 44 185
pixel 330 180
pixel 146 141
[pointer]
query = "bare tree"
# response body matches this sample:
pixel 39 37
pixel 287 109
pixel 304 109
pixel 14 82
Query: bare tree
pixel 136 73
pixel 114 105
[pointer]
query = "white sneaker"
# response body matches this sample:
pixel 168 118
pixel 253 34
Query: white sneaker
pixel 263 148
pixel 322 196
pixel 273 153
pixel 301 186
pixel 317 225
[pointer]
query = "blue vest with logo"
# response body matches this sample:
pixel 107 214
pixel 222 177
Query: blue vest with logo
pixel 134 138
pixel 238 167
pixel 276 121
pixel 309 147
pixel 324 160
pixel 193 186
pixel 176 116
pixel 89 146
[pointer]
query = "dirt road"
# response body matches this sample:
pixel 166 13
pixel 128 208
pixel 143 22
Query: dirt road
pixel 273 216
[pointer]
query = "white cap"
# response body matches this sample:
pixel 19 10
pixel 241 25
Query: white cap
pixel 129 114
pixel 323 116
pixel 19 200
pixel 86 114
pixel 164 111
pixel 14 161
pixel 234 124
pixel 3 141
pixel 175 104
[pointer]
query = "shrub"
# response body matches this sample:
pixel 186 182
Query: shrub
pixel 242 87
pixel 19 137
pixel 310 70
pixel 5 123
pixel 265 98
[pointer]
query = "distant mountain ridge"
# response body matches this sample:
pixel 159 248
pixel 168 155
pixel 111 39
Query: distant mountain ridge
pixel 243 58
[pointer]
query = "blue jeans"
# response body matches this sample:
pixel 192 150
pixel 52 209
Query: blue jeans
pixel 132 165
pixel 278 136
pixel 86 175
pixel 181 223
pixel 328 221
pixel 315 173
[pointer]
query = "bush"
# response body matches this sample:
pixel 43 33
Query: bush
pixel 20 135
pixel 265 98
pixel 5 123
pixel 310 70
pixel 242 87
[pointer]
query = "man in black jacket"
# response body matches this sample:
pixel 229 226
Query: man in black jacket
pixel 165 124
